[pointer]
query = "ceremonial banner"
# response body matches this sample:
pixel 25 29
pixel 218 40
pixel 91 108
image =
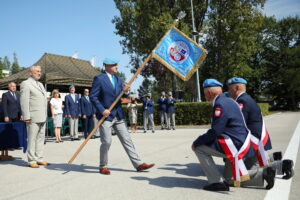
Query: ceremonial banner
pixel 179 53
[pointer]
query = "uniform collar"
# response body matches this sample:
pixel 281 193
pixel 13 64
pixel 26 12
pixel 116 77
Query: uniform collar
pixel 214 101
pixel 239 95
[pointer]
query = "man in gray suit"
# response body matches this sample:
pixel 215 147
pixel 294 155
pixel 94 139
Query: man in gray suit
pixel 34 109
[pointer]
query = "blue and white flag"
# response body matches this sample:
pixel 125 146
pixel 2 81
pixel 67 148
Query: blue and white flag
pixel 179 53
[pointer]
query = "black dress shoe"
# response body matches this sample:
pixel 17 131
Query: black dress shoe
pixel 222 186
pixel 277 155
pixel 269 177
pixel 287 169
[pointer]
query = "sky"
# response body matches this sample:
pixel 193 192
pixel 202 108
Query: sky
pixel 34 27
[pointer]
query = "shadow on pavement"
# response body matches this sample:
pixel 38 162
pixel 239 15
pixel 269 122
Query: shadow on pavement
pixel 171 182
pixel 80 168
pixel 191 169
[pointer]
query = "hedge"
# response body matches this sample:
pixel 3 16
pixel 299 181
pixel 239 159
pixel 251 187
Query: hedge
pixel 188 113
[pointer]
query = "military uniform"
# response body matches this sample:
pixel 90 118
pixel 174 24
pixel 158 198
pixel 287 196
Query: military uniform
pixel 227 125
pixel 254 121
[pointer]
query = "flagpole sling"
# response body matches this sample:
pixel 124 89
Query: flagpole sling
pixel 110 108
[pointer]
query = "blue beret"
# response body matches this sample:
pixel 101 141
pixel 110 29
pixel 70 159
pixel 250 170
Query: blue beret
pixel 110 61
pixel 71 86
pixel 211 83
pixel 236 80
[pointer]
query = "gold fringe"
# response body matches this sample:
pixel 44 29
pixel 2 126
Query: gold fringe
pixel 245 178
pixel 236 184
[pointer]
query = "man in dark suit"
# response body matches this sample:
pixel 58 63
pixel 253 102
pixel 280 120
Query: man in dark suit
pixel 88 113
pixel 11 104
pixel 72 111
pixel 105 89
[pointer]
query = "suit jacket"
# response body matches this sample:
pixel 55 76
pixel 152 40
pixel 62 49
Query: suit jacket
pixel 253 116
pixel 162 104
pixel 33 101
pixel 170 105
pixel 103 94
pixel 87 107
pixel 72 108
pixel 11 106
pixel 227 119
pixel 148 105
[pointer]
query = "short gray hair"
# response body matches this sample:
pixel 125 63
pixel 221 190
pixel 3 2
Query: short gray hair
pixel 33 67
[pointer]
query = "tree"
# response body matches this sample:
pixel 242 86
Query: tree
pixel 146 87
pixel 230 27
pixel 1 68
pixel 281 60
pixel 6 63
pixel 142 23
pixel 15 68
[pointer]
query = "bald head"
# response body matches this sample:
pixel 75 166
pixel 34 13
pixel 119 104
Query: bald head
pixel 211 92
pixel 236 89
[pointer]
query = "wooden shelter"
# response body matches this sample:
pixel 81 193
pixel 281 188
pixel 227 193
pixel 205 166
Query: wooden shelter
pixel 58 73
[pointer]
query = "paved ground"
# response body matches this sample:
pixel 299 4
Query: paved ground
pixel 177 174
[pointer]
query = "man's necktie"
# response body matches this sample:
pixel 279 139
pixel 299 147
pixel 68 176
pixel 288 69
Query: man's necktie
pixel 113 81
pixel 14 95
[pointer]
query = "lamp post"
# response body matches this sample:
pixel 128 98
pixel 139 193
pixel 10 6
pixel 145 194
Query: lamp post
pixel 198 99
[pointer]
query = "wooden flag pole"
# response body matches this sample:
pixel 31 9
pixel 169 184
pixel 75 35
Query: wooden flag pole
pixel 110 108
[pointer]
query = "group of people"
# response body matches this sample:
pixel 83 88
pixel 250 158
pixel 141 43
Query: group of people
pixel 166 112
pixel 238 133
pixel 72 108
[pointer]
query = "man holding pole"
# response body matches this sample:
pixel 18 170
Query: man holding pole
pixel 105 89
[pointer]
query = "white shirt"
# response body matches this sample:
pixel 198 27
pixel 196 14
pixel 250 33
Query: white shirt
pixel 109 76
pixel 57 105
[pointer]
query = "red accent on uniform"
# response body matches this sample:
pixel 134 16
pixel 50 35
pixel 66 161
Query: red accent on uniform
pixel 218 112
pixel 241 106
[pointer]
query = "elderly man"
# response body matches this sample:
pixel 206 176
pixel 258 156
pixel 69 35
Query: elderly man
pixel 260 137
pixel 34 109
pixel 228 138
pixel 11 104
pixel 105 89
pixel 73 112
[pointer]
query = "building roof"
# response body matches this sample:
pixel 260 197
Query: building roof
pixel 58 70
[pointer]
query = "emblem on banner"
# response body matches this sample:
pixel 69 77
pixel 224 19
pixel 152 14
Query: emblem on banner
pixel 179 51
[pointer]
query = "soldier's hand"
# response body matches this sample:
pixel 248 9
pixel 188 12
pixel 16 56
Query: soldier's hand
pixel 6 119
pixel 106 113
pixel 126 87
pixel 83 116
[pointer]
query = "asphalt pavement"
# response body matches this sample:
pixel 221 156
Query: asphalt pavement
pixel 177 173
